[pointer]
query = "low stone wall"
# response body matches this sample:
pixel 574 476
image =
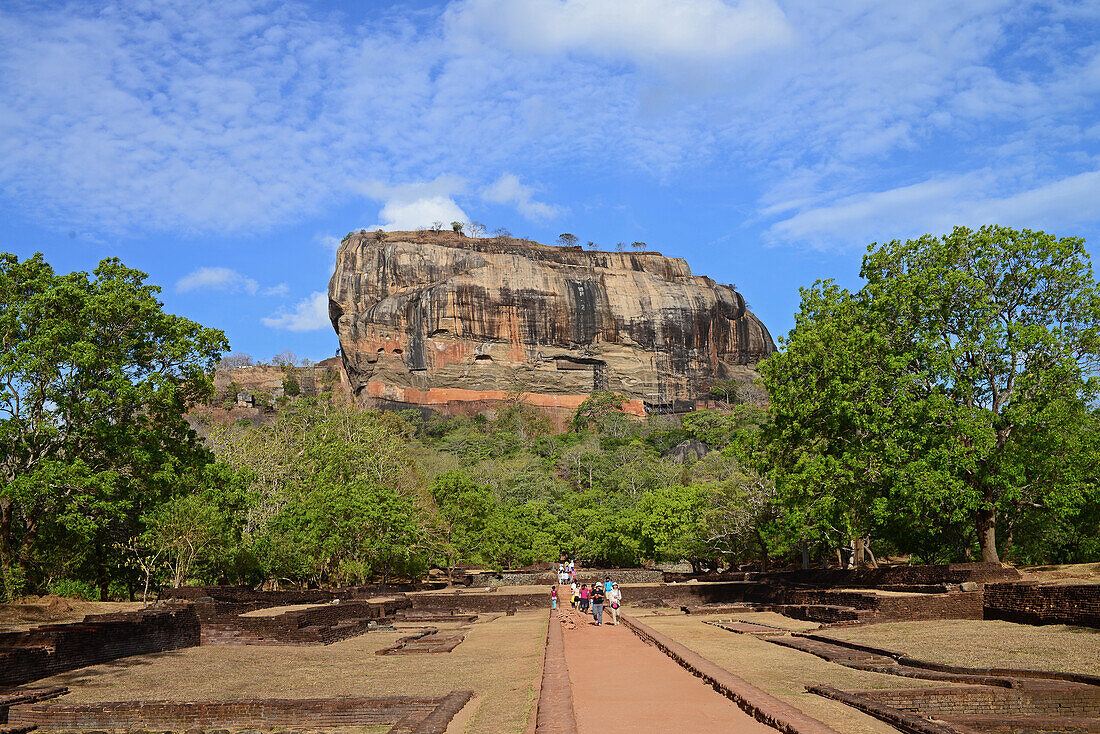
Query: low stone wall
pixel 248 595
pixel 44 651
pixel 754 701
pixel 225 623
pixel 1036 699
pixel 914 577
pixel 1031 603
pixel 1026 707
pixel 408 714
pixel 587 576
pixel 818 604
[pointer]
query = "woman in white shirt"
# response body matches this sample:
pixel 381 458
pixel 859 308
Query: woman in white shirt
pixel 614 601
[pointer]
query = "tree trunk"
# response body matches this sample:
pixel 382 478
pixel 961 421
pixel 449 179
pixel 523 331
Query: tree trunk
pixel 805 557
pixel 6 512
pixel 763 549
pixel 867 550
pixel 857 552
pixel 986 521
pixel 100 571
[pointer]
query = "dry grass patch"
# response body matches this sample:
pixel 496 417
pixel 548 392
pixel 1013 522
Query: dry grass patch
pixel 33 612
pixel 771 619
pixel 783 672
pixel 985 643
pixel 499 661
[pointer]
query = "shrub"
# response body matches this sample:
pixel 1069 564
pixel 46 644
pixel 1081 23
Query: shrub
pixel 73 589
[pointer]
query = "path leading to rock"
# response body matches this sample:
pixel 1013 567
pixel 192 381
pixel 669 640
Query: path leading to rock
pixel 622 685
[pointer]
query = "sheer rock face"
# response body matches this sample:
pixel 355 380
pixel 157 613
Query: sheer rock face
pixel 436 319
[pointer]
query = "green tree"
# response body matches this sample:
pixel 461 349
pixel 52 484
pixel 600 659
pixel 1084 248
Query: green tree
pixel 566 239
pixel 596 407
pixel 291 386
pixel 938 390
pixel 465 509
pixel 94 380
pixel 671 524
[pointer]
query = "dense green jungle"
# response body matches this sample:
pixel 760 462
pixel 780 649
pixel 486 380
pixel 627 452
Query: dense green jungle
pixel 945 411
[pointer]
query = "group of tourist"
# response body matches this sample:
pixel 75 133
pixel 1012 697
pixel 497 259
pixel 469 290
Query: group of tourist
pixel 592 599
pixel 567 572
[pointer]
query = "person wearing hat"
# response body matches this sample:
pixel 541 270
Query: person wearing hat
pixel 614 601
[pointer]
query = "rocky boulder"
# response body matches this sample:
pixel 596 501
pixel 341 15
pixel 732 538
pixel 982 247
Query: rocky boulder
pixel 439 320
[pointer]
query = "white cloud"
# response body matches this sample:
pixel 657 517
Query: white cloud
pixel 328 241
pixel 937 205
pixel 243 116
pixel 276 290
pixel 414 205
pixel 217 279
pixel 508 190
pixel 650 33
pixel 311 314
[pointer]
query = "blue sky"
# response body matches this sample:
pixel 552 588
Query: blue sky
pixel 224 147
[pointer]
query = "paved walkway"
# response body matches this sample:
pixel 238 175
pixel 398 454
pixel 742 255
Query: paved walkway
pixel 621 684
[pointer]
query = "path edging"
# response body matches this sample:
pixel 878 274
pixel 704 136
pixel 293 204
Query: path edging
pixel 762 706
pixel 554 709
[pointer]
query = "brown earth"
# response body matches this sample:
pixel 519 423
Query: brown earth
pixel 780 671
pixel 33 611
pixel 622 685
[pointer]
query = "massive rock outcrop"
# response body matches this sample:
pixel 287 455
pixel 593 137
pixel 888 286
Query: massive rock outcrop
pixel 439 320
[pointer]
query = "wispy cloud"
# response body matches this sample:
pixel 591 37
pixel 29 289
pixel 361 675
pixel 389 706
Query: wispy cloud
pixel 650 33
pixel 225 280
pixel 936 205
pixel 311 314
pixel 213 116
pixel 508 190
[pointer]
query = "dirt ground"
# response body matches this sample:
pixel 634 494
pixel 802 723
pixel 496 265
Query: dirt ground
pixel 985 644
pixel 621 685
pixel 500 661
pixel 780 671
pixel 35 611
pixel 1077 573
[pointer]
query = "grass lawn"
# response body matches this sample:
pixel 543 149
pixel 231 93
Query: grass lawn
pixel 499 661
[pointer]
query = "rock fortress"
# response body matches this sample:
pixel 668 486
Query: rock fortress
pixel 442 321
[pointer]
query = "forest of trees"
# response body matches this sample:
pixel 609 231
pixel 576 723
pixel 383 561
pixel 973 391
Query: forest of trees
pixel 946 411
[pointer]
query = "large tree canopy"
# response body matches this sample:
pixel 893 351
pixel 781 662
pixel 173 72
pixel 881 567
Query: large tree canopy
pixel 953 384
pixel 94 380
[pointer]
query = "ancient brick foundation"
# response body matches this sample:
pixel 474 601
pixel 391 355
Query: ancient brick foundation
pixel 959 709
pixel 422 715
pixel 50 649
pixel 1030 603
pixel 896 578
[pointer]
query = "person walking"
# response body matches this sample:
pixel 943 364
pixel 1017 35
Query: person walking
pixel 553 597
pixel 607 585
pixel 584 598
pixel 573 596
pixel 615 600
pixel 597 598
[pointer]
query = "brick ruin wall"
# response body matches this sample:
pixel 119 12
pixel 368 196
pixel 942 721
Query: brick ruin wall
pixel 882 577
pixel 44 651
pixel 408 714
pixel 1032 699
pixel 954 605
pixel 1031 603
